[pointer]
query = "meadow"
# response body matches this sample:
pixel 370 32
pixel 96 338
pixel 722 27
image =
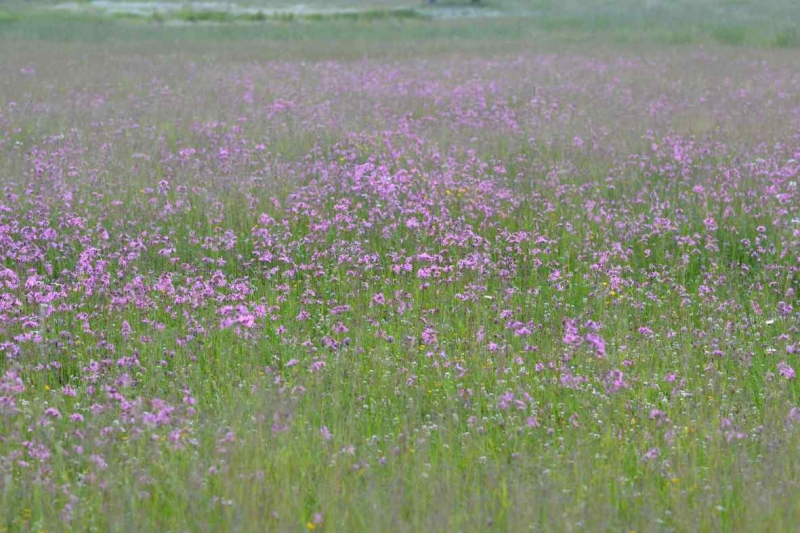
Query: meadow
pixel 398 273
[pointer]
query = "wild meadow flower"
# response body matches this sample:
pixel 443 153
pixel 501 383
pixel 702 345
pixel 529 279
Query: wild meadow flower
pixel 651 454
pixel 325 433
pixel 785 370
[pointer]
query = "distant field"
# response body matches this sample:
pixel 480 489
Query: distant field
pixel 519 267
pixel 730 22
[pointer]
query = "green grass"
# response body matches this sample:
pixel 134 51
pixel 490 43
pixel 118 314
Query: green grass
pixel 770 24
pixel 420 462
